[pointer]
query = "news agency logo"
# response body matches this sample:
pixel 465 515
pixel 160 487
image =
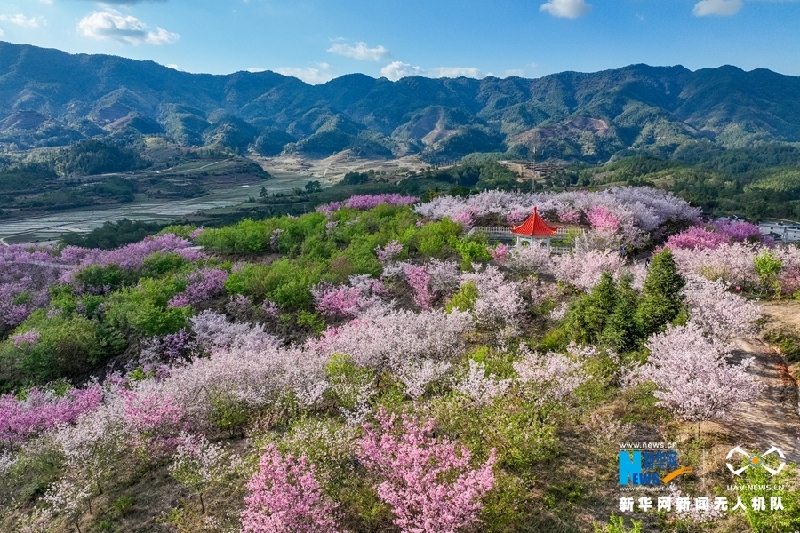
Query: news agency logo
pixel 645 467
pixel 755 460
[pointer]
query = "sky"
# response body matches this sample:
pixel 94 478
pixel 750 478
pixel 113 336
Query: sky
pixel 317 40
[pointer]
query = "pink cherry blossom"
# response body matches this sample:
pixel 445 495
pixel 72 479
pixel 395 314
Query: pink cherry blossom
pixel 428 483
pixel 693 378
pixel 285 497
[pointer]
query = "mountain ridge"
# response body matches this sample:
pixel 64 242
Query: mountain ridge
pixel 52 98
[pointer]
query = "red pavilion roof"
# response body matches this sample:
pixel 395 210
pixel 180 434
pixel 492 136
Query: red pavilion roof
pixel 534 226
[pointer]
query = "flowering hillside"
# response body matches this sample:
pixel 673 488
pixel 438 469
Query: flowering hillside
pixel 370 367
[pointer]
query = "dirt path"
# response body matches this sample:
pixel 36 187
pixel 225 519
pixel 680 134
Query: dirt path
pixel 772 419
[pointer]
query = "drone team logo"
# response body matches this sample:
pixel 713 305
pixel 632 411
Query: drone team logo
pixel 649 467
pixel 755 460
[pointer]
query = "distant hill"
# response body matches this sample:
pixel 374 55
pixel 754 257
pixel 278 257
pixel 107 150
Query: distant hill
pixel 51 98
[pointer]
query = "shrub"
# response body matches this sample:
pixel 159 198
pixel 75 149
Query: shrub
pixel 284 282
pixel 767 267
pixel 102 278
pixel 159 264
pixel 143 310
pixel 754 486
pixel 472 251
pixel 787 341
pixel 432 238
pixel 464 299
pixel 248 236
pixel 67 346
pixel 617 525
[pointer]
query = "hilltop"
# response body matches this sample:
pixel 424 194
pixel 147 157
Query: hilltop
pixel 51 98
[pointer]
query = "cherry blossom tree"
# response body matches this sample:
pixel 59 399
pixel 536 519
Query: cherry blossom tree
pixel 583 269
pixel 695 238
pixel 419 279
pixel 480 387
pixel 718 311
pixel 93 447
pixel 551 378
pixel 368 201
pixel 733 263
pixel 152 411
pixel 7 462
pixel 429 483
pixel 214 332
pixel 343 300
pixel 388 252
pixel 201 285
pixel 692 376
pixel 529 259
pixel 603 219
pixel 445 276
pixel 285 497
pixel 499 252
pixel 69 498
pixel 43 410
pixel 388 341
pixel 737 230
pixel 417 375
pixel 200 465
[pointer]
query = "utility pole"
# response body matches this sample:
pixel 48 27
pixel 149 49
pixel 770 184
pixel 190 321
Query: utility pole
pixel 533 171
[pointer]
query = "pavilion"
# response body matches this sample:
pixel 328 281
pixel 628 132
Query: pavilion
pixel 534 227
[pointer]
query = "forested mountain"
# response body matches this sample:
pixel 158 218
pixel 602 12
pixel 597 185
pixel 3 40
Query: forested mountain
pixel 51 98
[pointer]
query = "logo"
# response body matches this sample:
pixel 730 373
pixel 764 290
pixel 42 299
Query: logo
pixel 645 467
pixel 755 460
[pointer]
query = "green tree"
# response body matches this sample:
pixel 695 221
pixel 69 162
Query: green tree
pixel 313 186
pixel 588 317
pixel 621 331
pixel 661 297
pixel 767 267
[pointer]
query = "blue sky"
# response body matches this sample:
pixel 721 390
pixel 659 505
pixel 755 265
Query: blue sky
pixel 317 40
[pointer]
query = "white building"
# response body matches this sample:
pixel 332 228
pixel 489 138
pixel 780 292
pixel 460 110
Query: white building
pixel 782 230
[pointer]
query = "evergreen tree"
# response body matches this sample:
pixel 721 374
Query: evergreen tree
pixel 661 297
pixel 621 330
pixel 587 319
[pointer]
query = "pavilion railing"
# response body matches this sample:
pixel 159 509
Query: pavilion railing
pixel 501 230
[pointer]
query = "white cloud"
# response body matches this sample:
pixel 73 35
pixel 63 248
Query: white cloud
pixel 174 67
pixel 309 75
pixel 255 70
pixel 515 72
pixel 569 9
pixel 717 7
pixel 161 36
pixel 2 33
pixel 397 69
pixel 21 20
pixel 111 24
pixel 360 51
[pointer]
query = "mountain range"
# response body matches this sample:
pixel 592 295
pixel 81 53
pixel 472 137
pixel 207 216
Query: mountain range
pixel 51 98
